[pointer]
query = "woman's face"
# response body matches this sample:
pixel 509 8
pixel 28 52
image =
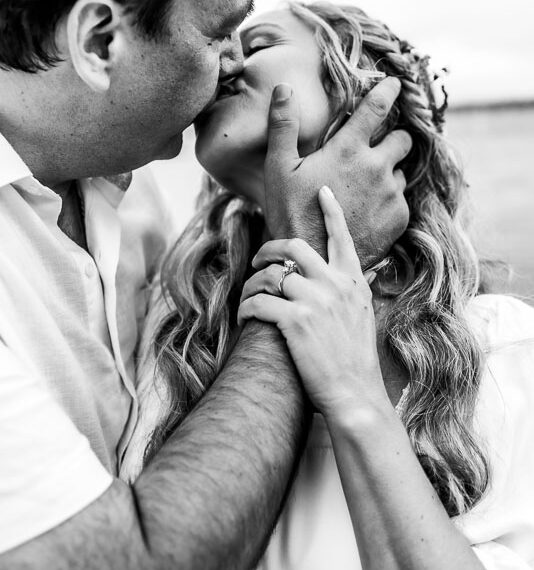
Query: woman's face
pixel 232 133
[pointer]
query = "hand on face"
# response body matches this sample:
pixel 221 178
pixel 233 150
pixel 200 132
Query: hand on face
pixel 367 184
pixel 326 318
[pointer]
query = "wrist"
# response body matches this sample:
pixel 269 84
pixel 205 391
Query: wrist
pixel 363 420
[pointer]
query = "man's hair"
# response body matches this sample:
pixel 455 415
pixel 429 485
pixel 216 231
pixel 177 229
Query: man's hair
pixel 28 27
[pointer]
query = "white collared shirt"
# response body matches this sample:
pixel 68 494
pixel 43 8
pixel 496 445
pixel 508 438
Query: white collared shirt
pixel 69 328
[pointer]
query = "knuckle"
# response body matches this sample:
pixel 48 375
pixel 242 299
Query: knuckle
pixel 345 287
pixel 282 120
pixel 400 185
pixel 401 177
pixel 246 291
pixel 391 189
pixel 377 165
pixel 304 317
pixel 273 275
pixel 296 246
pixel 406 141
pixel 379 105
pixel 272 270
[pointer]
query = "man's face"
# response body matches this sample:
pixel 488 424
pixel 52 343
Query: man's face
pixel 160 87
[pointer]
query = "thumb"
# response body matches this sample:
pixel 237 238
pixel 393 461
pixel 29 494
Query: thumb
pixel 283 126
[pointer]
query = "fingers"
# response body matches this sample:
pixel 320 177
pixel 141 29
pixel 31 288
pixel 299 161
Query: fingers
pixel 309 262
pixel 268 279
pixel 395 147
pixel 263 307
pixel 370 113
pixel 341 252
pixel 283 127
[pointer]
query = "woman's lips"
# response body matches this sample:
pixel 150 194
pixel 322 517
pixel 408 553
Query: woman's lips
pixel 224 91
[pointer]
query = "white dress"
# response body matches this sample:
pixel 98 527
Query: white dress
pixel 315 531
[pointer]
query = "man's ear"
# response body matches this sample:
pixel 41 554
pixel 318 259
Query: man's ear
pixel 94 40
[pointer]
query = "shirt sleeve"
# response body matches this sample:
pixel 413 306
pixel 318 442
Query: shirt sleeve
pixel 501 526
pixel 48 472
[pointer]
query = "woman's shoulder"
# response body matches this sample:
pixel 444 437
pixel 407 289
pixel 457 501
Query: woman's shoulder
pixel 504 421
pixel 505 327
pixel 501 321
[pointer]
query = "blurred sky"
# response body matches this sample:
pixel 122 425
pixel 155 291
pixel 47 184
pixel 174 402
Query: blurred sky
pixel 488 45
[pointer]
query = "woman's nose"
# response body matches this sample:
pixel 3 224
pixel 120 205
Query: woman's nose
pixel 231 58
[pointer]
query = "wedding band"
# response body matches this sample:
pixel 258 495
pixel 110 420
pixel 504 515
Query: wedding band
pixel 290 267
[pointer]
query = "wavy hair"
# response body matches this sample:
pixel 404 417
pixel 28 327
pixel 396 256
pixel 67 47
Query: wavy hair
pixel 426 329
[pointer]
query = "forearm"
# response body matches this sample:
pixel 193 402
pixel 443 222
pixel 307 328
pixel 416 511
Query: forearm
pixel 217 485
pixel 398 519
pixel 211 496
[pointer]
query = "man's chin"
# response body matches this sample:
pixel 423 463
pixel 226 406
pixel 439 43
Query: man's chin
pixel 173 148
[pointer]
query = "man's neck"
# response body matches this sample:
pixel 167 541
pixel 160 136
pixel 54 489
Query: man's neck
pixel 32 119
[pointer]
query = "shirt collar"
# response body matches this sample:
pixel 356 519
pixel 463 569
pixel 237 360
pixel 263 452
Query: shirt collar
pixel 12 167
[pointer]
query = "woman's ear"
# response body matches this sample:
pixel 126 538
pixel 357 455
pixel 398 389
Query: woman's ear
pixel 95 38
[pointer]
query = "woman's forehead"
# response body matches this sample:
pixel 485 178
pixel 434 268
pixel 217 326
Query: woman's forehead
pixel 282 19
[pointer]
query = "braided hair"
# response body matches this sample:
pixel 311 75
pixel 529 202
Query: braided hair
pixel 426 330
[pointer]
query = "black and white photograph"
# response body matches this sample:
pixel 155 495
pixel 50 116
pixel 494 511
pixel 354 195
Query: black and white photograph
pixel 266 285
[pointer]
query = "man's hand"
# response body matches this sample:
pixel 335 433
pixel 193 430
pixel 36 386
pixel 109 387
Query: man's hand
pixel 364 179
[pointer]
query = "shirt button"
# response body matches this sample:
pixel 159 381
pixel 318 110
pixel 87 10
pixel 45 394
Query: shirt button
pixel 90 270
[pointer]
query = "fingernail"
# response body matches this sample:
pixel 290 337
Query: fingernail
pixel 370 277
pixel 327 192
pixel 282 93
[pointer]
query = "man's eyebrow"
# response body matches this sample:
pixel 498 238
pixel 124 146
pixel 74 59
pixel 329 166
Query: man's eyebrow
pixel 233 19
pixel 250 8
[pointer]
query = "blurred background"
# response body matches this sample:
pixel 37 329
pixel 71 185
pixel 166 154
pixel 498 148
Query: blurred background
pixel 489 50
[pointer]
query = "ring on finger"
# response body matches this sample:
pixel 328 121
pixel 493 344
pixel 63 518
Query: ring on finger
pixel 290 267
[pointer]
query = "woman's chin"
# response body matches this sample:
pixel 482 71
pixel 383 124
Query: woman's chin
pixel 212 155
pixel 226 150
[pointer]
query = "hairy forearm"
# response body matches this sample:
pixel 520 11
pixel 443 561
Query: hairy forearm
pixel 217 485
pixel 210 497
pixel 398 519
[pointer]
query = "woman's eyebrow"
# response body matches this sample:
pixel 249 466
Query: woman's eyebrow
pixel 249 30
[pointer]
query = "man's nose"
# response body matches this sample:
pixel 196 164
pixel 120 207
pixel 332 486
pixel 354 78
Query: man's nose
pixel 232 58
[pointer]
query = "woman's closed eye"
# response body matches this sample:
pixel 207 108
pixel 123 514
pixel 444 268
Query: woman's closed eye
pixel 256 40
pixel 255 47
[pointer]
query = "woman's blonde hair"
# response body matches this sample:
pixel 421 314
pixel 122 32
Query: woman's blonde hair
pixel 426 329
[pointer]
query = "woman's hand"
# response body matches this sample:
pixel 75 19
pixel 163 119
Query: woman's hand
pixel 326 316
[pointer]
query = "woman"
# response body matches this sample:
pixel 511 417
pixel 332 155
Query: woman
pixel 420 455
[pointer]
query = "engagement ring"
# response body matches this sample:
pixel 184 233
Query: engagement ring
pixel 290 266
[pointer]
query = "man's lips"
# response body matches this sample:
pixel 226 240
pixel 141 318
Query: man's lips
pixel 224 91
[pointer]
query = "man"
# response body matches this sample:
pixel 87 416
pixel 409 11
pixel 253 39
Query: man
pixel 90 89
